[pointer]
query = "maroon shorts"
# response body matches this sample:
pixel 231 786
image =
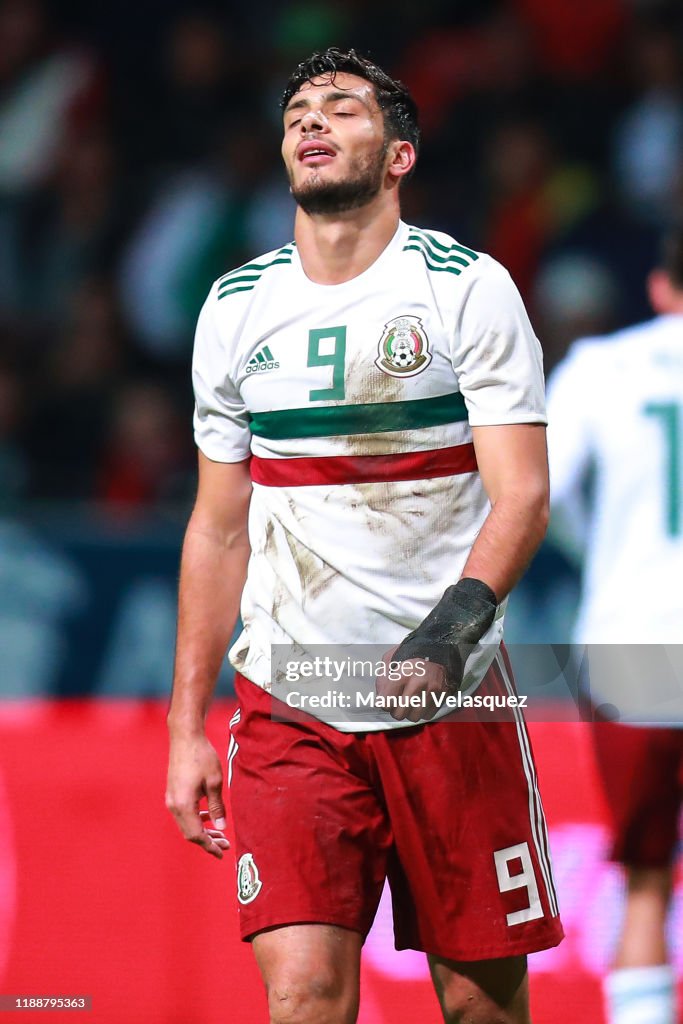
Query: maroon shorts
pixel 642 773
pixel 448 811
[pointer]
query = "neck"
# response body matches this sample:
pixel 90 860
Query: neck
pixel 339 247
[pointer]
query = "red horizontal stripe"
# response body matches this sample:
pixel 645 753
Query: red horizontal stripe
pixel 358 469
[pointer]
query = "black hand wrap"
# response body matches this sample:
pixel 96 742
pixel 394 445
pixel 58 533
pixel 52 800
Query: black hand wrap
pixel 451 629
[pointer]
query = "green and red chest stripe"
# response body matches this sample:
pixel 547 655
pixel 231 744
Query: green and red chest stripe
pixel 349 420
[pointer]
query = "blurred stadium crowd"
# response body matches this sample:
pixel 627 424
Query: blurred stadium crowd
pixel 139 159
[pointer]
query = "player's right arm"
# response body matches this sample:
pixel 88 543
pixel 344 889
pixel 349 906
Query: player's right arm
pixel 212 574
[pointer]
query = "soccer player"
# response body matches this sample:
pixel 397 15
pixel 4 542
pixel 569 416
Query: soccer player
pixel 370 422
pixel 615 408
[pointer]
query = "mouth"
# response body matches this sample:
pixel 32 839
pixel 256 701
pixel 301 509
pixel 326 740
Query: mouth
pixel 314 154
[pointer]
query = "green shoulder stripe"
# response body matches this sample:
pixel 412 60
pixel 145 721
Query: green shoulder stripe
pixel 285 251
pixel 437 256
pixel 450 258
pixel 430 266
pixel 447 248
pixel 240 288
pixel 251 273
pixel 239 280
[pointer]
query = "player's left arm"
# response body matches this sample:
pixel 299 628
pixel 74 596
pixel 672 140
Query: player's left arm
pixel 498 363
pixel 513 465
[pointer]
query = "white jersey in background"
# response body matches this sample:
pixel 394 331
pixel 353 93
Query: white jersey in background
pixel 355 402
pixel 615 418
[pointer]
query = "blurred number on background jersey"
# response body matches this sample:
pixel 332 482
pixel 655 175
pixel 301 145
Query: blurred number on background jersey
pixel 334 358
pixel 670 419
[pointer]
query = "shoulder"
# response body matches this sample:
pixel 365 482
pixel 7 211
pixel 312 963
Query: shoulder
pixel 580 365
pixel 479 274
pixel 640 342
pixel 590 354
pixel 440 253
pixel 592 361
pixel 245 278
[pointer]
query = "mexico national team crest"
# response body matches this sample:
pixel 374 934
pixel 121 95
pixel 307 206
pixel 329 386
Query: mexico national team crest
pixel 248 882
pixel 404 347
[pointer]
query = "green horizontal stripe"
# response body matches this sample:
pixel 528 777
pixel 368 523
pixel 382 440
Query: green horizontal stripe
pixel 429 238
pixel 238 280
pixel 375 418
pixel 430 266
pixel 434 256
pixel 287 250
pixel 248 276
pixel 242 288
pixel 282 257
pixel 445 248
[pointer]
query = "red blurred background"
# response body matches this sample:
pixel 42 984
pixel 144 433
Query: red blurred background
pixel 100 896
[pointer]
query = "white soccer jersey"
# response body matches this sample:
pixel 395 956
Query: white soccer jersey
pixel 615 406
pixel 355 402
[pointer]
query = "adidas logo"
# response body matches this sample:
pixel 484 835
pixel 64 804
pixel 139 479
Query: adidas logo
pixel 262 360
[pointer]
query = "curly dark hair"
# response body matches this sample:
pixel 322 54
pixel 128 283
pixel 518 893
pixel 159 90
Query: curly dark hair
pixel 395 102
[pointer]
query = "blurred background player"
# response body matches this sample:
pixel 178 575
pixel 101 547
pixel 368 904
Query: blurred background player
pixel 615 410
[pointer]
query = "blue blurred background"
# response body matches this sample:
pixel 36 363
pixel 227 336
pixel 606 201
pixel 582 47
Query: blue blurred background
pixel 139 159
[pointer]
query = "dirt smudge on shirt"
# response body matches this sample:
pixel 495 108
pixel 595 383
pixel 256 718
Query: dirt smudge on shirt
pixel 273 556
pixel 314 574
pixel 365 384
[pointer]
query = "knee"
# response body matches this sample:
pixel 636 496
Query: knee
pixel 483 992
pixel 319 996
pixel 458 1007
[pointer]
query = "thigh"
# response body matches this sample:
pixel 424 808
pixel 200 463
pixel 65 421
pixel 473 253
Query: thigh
pixel 482 991
pixel 471 877
pixel 311 972
pixel 311 838
pixel 640 769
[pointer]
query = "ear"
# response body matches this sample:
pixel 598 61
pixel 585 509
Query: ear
pixel 402 159
pixel 660 291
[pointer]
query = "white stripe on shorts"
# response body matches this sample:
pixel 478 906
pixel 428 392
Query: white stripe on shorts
pixel 233 746
pixel 232 753
pixel 536 815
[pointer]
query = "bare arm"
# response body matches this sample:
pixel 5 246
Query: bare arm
pixel 514 470
pixel 212 574
pixel 513 465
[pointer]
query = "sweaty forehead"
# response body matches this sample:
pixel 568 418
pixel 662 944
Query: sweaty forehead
pixel 343 82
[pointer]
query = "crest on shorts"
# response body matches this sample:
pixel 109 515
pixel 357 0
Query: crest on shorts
pixel 248 881
pixel 403 349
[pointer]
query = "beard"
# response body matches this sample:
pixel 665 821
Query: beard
pixel 329 197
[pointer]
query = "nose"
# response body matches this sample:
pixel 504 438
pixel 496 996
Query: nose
pixel 314 121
